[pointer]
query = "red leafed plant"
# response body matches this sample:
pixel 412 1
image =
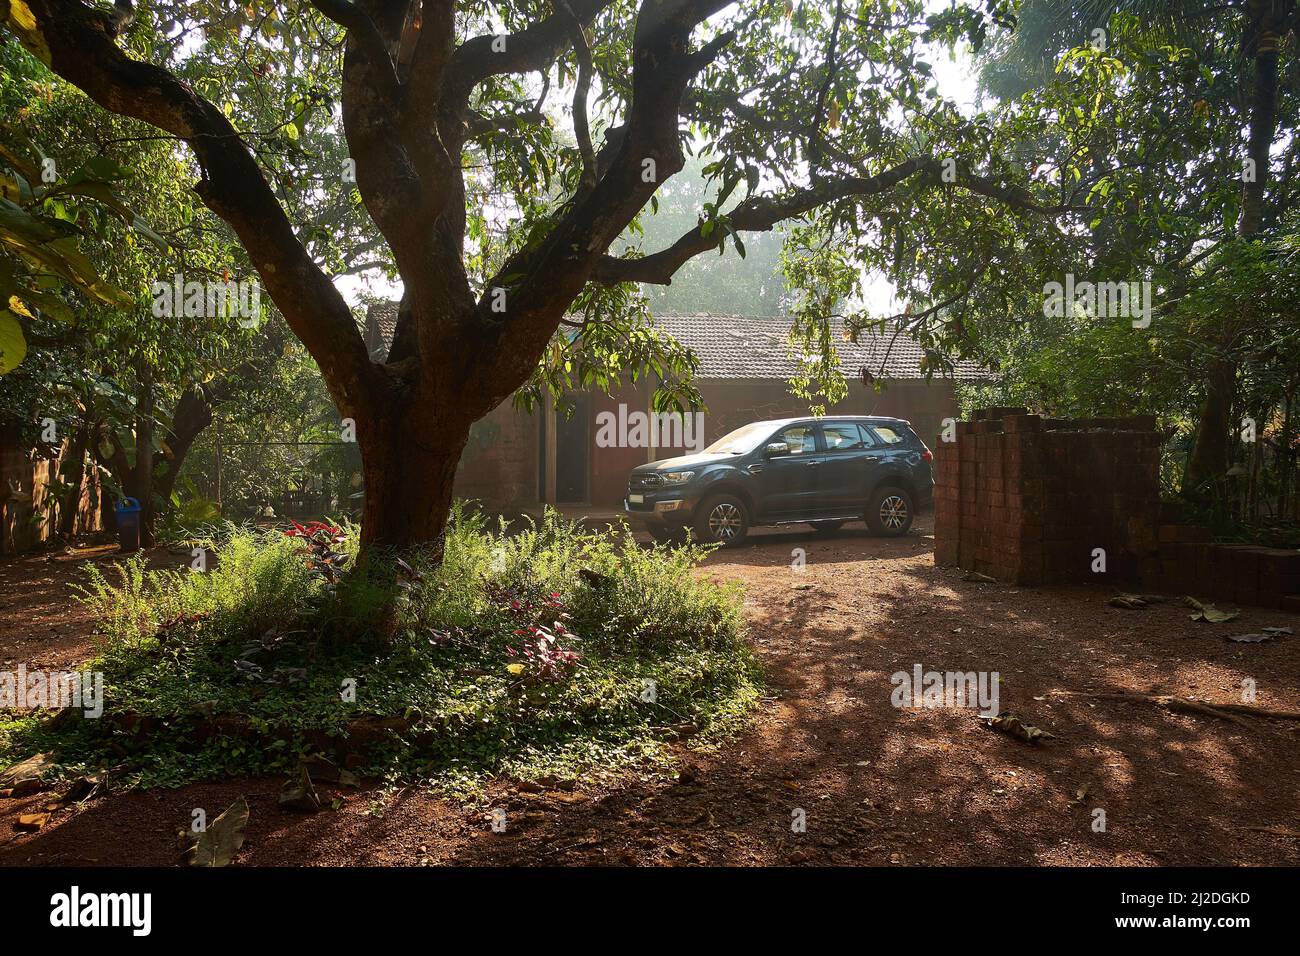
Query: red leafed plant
pixel 313 528
pixel 539 649
pixel 322 541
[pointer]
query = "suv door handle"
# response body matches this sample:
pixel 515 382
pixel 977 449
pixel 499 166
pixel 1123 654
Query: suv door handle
pixel 755 469
pixel 811 464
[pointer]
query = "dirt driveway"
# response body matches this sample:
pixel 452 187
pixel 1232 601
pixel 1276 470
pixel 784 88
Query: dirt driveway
pixel 873 783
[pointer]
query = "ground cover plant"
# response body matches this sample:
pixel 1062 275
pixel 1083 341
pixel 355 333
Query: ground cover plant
pixel 546 652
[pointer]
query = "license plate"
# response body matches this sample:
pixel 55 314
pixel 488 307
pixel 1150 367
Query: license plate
pixel 636 499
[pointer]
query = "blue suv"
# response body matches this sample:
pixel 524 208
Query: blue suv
pixel 819 471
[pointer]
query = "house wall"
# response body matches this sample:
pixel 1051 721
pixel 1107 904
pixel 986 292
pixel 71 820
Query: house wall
pixel 500 465
pixel 736 402
pixel 610 465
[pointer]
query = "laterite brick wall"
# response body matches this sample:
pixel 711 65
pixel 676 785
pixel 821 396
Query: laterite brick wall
pixel 1188 563
pixel 1027 500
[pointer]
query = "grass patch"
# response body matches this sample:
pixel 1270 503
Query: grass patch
pixel 554 651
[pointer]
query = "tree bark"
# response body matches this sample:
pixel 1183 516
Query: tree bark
pixel 1208 460
pixel 409 465
pixel 193 413
pixel 76 465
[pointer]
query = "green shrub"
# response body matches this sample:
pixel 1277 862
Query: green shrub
pixel 551 650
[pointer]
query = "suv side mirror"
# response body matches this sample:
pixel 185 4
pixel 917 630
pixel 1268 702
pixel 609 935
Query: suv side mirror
pixel 776 448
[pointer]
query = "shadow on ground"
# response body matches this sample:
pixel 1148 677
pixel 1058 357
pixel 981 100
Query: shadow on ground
pixel 874 784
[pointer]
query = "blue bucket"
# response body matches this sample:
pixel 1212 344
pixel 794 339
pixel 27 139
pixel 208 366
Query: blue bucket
pixel 127 514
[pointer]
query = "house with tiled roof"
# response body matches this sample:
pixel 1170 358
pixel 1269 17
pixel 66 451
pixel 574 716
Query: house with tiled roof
pixel 517 461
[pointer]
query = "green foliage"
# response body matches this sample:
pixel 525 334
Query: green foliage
pixel 192 513
pixel 105 362
pixel 610 340
pixel 48 225
pixel 278 430
pixel 263 643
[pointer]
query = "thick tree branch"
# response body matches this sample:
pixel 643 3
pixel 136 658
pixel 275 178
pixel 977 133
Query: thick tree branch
pixel 530 50
pixel 436 26
pixel 405 172
pixel 648 153
pixel 581 125
pixel 756 214
pixel 365 34
pixel 233 186
pixel 194 409
pixel 762 213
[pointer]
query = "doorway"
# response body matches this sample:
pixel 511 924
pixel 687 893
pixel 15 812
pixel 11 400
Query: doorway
pixel 573 453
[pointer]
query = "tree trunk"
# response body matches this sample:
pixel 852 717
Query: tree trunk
pixel 1208 460
pixel 1282 461
pixel 409 464
pixel 142 485
pixel 193 413
pixel 75 462
pixel 1209 457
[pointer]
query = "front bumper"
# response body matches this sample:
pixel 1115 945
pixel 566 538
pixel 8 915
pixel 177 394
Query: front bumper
pixel 664 507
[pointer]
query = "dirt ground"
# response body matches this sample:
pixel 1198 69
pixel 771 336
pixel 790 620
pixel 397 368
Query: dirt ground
pixel 876 785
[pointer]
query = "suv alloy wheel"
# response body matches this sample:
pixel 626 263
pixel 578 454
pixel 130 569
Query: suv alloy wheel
pixel 889 512
pixel 722 519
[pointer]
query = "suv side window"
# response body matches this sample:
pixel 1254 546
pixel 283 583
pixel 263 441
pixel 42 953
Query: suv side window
pixel 888 435
pixel 802 439
pixel 844 436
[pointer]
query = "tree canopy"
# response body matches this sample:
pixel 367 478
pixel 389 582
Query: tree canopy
pixel 498 157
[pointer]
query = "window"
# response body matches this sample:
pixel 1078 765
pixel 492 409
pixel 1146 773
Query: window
pixel 741 441
pixel 843 436
pixel 888 435
pixel 802 439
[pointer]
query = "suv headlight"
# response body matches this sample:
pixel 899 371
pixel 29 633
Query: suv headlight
pixel 676 477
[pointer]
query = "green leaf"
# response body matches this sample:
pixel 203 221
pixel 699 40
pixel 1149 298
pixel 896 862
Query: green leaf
pixel 13 347
pixel 140 226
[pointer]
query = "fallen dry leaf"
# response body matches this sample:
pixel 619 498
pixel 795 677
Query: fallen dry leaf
pixel 1013 726
pixel 218 844
pixel 30 769
pixel 300 794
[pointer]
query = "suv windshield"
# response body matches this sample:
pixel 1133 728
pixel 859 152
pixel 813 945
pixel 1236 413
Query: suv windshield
pixel 740 442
